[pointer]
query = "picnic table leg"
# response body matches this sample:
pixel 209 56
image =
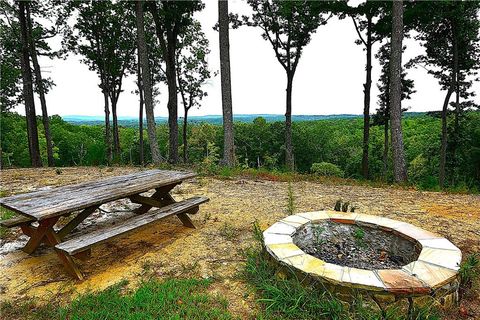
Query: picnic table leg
pixel 67 261
pixel 159 199
pixel 45 233
pixel 158 195
pixel 184 218
pixel 72 224
pixel 37 234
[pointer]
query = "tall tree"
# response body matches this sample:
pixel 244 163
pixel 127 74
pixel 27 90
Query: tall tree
pixel 106 41
pixel 382 116
pixel 288 26
pixel 140 113
pixel 27 80
pixel 192 72
pixel 11 52
pixel 146 81
pixel 157 75
pixel 398 151
pixel 41 88
pixel 452 53
pixel 363 19
pixel 224 43
pixel 170 18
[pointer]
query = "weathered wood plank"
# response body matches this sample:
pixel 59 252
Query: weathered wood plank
pixel 85 241
pixel 145 200
pixel 160 194
pixel 15 222
pixel 44 204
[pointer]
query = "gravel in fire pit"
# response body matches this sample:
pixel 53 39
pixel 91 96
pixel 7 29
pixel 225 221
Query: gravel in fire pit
pixel 355 246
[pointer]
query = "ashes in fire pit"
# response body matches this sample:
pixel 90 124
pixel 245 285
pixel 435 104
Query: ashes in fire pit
pixel 355 246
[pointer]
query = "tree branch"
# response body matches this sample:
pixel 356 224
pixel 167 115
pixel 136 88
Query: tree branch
pixel 358 31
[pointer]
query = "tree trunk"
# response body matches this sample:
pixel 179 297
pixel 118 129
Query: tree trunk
pixel 116 138
pixel 30 115
pixel 456 130
pixel 399 165
pixel 108 143
pixel 366 100
pixel 224 41
pixel 172 98
pixel 289 160
pixel 140 115
pixel 451 89
pixel 41 89
pixel 385 149
pixel 147 83
pixel 185 141
pixel 443 146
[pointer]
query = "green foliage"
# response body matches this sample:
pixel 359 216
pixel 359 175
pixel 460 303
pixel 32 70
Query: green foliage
pixel 469 270
pixel 326 169
pixel 286 298
pixel 359 235
pixel 259 146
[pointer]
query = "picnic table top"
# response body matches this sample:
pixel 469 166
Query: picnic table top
pixel 59 201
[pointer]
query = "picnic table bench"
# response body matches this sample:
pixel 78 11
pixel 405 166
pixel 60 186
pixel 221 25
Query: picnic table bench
pixel 40 211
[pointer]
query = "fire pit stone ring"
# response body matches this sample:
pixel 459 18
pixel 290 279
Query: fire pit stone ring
pixel 432 271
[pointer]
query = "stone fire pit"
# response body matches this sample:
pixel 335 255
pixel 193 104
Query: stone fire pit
pixel 348 252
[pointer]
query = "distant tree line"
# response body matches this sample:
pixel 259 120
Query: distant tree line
pixel 161 41
pixel 259 146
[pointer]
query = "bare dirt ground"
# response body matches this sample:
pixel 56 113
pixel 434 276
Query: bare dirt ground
pixel 215 248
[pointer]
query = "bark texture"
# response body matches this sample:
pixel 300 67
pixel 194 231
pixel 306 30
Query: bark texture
pixel 186 108
pixel 147 83
pixel 172 105
pixel 398 152
pixel 168 50
pixel 366 99
pixel 108 143
pixel 116 138
pixel 40 88
pixel 30 115
pixel 224 41
pixel 289 160
pixel 451 90
pixel 140 113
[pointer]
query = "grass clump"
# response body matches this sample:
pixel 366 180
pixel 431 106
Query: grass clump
pixel 171 299
pixel 469 274
pixel 228 231
pixel 5 214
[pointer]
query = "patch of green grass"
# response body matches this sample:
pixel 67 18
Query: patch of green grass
pixel 469 271
pixel 286 295
pixel 171 299
pixel 5 214
pixel 359 235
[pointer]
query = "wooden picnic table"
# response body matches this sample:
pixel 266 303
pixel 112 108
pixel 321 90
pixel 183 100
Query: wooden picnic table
pixel 45 207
